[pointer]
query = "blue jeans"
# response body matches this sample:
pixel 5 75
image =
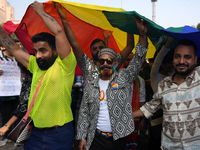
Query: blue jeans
pixel 56 138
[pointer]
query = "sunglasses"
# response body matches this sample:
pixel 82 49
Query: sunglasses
pixel 109 61
pixel 95 47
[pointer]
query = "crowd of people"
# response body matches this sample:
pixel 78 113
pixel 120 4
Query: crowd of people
pixel 117 94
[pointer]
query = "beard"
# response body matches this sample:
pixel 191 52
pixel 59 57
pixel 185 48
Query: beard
pixel 95 57
pixel 45 63
pixel 184 73
pixel 107 73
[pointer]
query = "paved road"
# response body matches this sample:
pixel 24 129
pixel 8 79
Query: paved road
pixel 10 146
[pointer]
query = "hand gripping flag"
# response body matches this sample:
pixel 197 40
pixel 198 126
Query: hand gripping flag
pixel 87 23
pixel 125 21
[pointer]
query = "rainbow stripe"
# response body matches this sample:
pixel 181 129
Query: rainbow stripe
pixel 107 134
pixel 115 86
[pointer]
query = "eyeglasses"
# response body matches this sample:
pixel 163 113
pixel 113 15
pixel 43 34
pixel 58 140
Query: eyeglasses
pixel 109 61
pixel 95 47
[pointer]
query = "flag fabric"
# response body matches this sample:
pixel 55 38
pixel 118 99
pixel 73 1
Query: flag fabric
pixel 186 32
pixel 87 23
pixel 9 27
pixel 125 21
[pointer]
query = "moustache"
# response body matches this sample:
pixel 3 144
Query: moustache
pixel 182 65
pixel 105 67
pixel 41 60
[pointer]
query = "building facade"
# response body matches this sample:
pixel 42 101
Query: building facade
pixel 7 12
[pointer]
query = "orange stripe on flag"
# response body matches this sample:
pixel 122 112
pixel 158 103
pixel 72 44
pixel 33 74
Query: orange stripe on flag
pixel 85 33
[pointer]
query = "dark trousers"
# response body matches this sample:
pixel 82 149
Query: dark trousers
pixel 6 109
pixel 55 138
pixel 101 142
pixel 155 137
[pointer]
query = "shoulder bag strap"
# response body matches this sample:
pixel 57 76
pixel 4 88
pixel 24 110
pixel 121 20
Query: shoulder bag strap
pixel 31 105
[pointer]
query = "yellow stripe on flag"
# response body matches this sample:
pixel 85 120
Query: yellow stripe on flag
pixel 92 14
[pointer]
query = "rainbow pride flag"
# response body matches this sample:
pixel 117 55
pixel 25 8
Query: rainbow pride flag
pixel 88 22
pixel 125 21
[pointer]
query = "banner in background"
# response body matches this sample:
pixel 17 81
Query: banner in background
pixel 10 84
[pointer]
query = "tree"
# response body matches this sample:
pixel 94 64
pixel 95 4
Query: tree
pixel 198 26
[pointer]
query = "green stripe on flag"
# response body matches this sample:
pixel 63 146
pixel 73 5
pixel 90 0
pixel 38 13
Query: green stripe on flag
pixel 176 30
pixel 125 21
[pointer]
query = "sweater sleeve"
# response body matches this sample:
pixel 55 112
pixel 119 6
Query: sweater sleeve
pixel 154 75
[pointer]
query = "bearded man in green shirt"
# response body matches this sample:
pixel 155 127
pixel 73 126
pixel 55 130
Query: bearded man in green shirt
pixel 53 60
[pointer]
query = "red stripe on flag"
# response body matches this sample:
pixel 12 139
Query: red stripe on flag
pixel 85 33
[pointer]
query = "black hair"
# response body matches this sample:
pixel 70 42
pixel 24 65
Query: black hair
pixel 96 41
pixel 187 42
pixel 46 37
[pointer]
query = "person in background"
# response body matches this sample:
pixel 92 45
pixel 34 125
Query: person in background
pixel 7 103
pixel 76 91
pixel 145 74
pixel 138 99
pixel 162 67
pixel 23 100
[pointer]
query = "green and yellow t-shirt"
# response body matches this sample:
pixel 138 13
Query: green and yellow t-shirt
pixel 52 105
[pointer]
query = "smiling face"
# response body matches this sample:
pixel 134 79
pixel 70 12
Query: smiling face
pixel 45 56
pixel 185 60
pixel 107 65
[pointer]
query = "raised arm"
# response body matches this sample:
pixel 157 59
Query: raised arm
pixel 141 49
pixel 78 52
pixel 106 35
pixel 13 48
pixel 62 44
pixel 143 28
pixel 129 46
pixel 154 75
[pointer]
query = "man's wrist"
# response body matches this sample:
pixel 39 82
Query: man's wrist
pixel 40 12
pixel 63 19
pixel 7 126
